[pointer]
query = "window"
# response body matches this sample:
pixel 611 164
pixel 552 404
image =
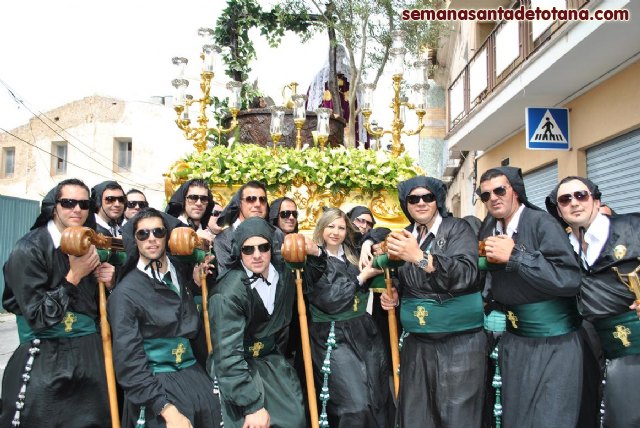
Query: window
pixel 8 162
pixel 59 157
pixel 123 149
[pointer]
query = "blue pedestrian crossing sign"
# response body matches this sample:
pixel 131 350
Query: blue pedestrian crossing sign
pixel 547 128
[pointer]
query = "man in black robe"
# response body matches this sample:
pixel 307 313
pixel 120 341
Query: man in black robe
pixel 536 280
pixel 249 201
pixel 443 358
pixel 109 203
pixel 283 214
pixel 251 309
pixel 56 376
pixel 153 317
pixel 603 244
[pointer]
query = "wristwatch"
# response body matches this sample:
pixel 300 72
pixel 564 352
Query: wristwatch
pixel 424 262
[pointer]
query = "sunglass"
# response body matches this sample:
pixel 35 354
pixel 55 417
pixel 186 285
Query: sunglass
pixel 216 213
pixel 194 198
pixel 287 214
pixel 141 204
pixel 498 191
pixel 427 197
pixel 112 199
pixel 248 250
pixel 361 220
pixel 144 234
pixel 253 199
pixel 71 203
pixel 580 195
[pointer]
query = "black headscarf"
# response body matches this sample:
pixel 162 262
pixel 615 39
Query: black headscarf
pixel 551 201
pixel 357 211
pixel 274 212
pixel 435 186
pixel 98 190
pixel 231 212
pixel 49 204
pixel 514 176
pixel 249 228
pixel 175 207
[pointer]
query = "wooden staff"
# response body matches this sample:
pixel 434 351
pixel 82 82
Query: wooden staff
pixel 183 242
pixel 294 251
pixel 393 323
pixel 76 241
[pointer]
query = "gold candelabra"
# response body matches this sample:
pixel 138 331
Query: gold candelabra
pixel 182 101
pixel 398 103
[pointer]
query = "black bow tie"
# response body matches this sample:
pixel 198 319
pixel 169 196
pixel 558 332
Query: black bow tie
pixel 256 276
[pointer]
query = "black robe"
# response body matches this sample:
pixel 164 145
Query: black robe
pixel 247 384
pixel 542 378
pixel 603 295
pixel 68 382
pixel 359 387
pixel 143 308
pixel 442 375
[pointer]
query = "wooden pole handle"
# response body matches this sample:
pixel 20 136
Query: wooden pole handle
pixel 306 354
pixel 205 310
pixel 107 349
pixel 393 335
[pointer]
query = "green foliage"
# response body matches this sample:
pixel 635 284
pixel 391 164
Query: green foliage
pixel 335 169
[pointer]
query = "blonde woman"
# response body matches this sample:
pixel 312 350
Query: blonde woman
pixel 350 364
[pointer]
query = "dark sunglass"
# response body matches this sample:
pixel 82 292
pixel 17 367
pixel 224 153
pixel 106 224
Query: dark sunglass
pixel 498 191
pixel 194 198
pixel 112 199
pixel 367 222
pixel 141 204
pixel 143 234
pixel 287 214
pixel 248 250
pixel 253 199
pixel 216 213
pixel 427 197
pixel 580 195
pixel 71 203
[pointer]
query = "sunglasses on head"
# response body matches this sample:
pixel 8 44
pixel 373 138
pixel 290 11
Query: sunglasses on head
pixel 427 197
pixel 580 195
pixel 112 199
pixel 202 198
pixel 498 191
pixel 287 214
pixel 71 203
pixel 248 250
pixel 141 204
pixel 361 221
pixel 144 234
pixel 253 199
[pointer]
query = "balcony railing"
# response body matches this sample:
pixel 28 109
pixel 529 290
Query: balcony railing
pixel 509 45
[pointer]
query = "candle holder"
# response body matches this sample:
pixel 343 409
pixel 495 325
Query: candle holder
pixel 275 128
pixel 324 115
pixel 183 101
pixel 299 116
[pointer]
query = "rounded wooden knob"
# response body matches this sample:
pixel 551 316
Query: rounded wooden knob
pixel 294 249
pixel 183 241
pixel 76 240
pixel 482 252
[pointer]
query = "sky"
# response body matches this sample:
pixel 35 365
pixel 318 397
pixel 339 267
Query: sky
pixel 55 52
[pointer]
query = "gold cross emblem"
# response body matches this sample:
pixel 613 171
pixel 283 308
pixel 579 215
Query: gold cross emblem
pixel 356 300
pixel 178 352
pixel 513 318
pixel 69 319
pixel 622 333
pixel 256 348
pixel 421 314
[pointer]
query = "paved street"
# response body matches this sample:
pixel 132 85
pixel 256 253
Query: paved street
pixel 8 340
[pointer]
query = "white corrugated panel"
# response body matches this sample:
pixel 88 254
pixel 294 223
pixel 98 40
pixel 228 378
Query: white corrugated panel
pixel 539 183
pixel 615 167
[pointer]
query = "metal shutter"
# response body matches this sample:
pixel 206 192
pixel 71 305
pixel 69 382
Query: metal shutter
pixel 539 183
pixel 615 167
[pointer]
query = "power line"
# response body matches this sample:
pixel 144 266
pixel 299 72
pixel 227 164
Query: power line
pixel 69 163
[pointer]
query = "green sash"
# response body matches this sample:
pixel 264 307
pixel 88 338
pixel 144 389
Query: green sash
pixel 430 316
pixel 620 335
pixel 543 319
pixel 73 324
pixel 358 309
pixel 169 354
pixel 259 347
